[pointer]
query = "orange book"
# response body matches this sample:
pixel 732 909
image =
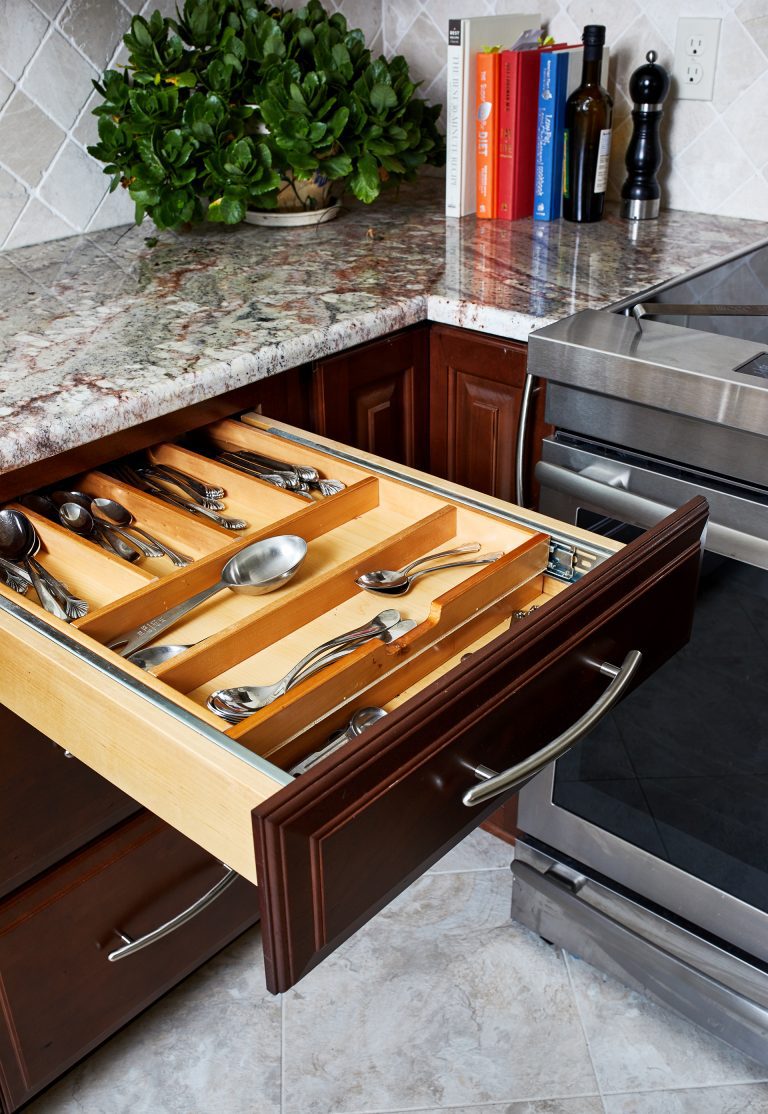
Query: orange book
pixel 487 122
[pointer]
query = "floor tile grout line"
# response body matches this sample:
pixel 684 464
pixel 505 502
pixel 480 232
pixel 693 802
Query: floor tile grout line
pixel 495 1104
pixel 569 975
pixel 673 1088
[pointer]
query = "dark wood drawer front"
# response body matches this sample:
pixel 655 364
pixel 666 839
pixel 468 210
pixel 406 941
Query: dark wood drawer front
pixel 52 805
pixel 59 994
pixel 341 842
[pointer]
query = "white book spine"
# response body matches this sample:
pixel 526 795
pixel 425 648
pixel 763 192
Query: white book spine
pixel 455 122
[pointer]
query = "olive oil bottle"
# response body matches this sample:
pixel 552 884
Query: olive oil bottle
pixel 588 118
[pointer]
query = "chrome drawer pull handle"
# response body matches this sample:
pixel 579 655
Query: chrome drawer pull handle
pixel 517 775
pixel 131 946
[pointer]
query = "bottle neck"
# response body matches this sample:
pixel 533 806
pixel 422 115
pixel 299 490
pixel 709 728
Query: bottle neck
pixel 593 57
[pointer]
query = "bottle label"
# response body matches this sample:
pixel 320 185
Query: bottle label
pixel 603 159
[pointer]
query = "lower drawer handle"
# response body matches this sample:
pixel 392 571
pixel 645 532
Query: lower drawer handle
pixel 517 775
pixel 131 946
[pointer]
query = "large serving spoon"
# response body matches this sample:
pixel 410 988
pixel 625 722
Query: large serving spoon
pixel 243 700
pixel 259 568
pixel 383 578
pixel 118 515
pixel 398 587
pixel 19 543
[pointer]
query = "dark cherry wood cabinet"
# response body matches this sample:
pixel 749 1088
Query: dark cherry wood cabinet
pixel 60 995
pixel 476 395
pixel 376 397
pixel 81 861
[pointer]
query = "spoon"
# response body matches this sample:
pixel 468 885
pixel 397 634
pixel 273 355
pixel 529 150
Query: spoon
pixel 399 587
pixel 118 515
pixel 362 719
pixel 382 578
pixel 153 656
pixel 80 520
pixel 259 568
pixel 14 577
pixel 236 703
pixel 19 543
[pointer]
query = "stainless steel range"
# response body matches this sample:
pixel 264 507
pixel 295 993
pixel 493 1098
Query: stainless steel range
pixel 646 847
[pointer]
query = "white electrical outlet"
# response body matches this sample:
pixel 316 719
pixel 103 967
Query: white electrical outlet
pixel 696 57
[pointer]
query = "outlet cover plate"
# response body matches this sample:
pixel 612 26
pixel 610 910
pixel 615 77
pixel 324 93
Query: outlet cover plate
pixel 696 57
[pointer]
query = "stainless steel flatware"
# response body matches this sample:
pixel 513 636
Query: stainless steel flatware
pixel 152 656
pixel 385 578
pixel 400 587
pixel 79 520
pixel 194 491
pixel 257 569
pixel 283 480
pixel 19 542
pixel 235 704
pixel 116 513
pixel 359 722
pixel 129 474
pixel 15 578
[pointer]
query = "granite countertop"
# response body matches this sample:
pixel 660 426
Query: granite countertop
pixel 100 332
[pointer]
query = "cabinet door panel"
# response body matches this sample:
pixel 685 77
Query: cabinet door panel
pixel 51 804
pixel 376 397
pixel 476 392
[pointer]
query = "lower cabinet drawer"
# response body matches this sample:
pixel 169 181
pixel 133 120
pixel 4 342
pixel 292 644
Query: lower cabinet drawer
pixel 502 664
pixel 52 804
pixel 59 994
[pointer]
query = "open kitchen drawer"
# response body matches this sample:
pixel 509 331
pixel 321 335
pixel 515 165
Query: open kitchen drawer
pixel 504 659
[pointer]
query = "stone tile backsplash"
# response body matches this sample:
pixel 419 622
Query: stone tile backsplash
pixel 716 153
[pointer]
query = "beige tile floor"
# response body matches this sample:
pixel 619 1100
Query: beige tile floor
pixel 440 1004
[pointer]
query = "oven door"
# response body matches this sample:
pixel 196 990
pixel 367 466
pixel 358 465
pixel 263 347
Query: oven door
pixel 667 796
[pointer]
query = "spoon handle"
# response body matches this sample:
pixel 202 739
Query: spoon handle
pixel 133 640
pixel 350 638
pixel 458 565
pixel 470 547
pixel 44 593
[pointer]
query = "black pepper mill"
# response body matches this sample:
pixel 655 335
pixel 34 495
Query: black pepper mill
pixel 648 87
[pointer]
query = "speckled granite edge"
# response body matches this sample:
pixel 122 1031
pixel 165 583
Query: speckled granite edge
pixel 101 332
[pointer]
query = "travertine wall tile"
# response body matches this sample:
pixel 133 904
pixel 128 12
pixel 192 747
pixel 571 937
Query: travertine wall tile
pixel 716 153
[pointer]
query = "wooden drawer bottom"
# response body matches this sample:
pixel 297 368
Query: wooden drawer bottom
pixel 59 994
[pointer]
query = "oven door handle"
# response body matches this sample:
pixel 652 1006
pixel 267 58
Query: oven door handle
pixel 517 775
pixel 615 500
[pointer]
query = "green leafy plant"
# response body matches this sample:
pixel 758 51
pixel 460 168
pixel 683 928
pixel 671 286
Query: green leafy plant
pixel 234 104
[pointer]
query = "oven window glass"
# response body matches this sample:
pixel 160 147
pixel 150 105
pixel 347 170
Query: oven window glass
pixel 680 768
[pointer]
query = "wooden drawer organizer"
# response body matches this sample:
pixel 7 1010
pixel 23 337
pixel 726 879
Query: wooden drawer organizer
pixel 377 522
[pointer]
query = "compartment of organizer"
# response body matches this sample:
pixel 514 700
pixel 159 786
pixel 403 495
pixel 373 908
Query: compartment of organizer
pixel 235 639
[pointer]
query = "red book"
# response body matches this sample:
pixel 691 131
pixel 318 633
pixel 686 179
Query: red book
pixel 518 118
pixel 487 124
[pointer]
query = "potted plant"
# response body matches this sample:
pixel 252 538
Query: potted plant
pixel 237 105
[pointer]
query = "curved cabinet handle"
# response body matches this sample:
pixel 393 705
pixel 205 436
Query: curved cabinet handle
pixel 522 434
pixel 494 783
pixel 132 946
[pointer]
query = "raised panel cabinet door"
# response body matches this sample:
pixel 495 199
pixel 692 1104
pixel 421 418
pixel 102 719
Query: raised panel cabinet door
pixel 476 392
pixel 51 804
pixel 376 397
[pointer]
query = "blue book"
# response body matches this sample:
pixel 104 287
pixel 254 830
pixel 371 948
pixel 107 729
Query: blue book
pixel 548 179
